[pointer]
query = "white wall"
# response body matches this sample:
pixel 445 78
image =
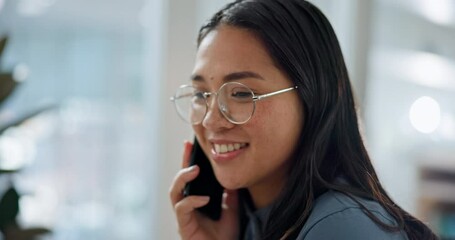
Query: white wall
pixel 409 58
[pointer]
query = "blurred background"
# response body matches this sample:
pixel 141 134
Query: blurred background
pixel 89 141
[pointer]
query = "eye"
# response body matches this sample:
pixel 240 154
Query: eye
pixel 241 93
pixel 198 95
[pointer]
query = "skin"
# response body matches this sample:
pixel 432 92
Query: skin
pixel 225 54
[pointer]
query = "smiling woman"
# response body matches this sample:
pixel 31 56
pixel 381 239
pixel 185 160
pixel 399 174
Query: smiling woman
pixel 293 166
pixel 226 50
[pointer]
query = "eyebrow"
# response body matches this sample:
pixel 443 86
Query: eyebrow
pixel 231 76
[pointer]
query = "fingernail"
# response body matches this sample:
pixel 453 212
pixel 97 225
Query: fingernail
pixel 203 199
pixel 192 168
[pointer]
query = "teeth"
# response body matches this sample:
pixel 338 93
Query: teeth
pixel 224 148
pixel 230 147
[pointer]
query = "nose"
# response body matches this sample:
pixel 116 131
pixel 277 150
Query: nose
pixel 214 119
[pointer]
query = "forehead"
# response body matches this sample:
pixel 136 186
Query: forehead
pixel 227 49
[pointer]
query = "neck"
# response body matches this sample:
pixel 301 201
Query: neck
pixel 265 193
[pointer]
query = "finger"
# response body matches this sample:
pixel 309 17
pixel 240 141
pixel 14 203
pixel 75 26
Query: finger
pixel 183 176
pixel 181 179
pixel 187 147
pixel 185 208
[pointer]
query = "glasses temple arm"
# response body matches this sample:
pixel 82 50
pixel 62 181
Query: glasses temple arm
pixel 257 98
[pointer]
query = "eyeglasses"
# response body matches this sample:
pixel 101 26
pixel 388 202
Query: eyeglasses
pixel 236 102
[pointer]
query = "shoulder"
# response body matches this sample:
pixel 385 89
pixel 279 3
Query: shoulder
pixel 337 216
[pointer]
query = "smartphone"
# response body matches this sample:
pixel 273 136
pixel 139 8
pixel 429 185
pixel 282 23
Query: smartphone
pixel 205 184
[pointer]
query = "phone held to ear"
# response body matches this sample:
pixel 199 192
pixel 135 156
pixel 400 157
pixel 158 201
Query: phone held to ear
pixel 205 183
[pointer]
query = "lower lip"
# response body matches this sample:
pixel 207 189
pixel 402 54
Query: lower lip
pixel 225 157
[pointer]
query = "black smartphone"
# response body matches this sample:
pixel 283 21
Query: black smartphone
pixel 205 184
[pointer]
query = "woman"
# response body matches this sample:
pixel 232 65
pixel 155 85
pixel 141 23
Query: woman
pixel 292 162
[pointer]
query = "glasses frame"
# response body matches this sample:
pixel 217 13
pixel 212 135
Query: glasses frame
pixel 208 94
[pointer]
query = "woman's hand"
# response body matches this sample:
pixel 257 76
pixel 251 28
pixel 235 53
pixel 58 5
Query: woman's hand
pixel 192 224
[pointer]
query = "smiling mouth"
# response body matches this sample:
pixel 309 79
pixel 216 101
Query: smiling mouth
pixel 225 148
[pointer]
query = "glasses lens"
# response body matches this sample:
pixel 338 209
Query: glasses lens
pixel 190 104
pixel 236 102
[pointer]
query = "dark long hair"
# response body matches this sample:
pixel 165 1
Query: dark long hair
pixel 301 41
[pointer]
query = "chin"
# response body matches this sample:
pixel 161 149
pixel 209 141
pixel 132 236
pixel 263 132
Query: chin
pixel 230 184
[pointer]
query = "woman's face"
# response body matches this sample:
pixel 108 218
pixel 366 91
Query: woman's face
pixel 270 136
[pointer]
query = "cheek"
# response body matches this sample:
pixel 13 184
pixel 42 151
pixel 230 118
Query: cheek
pixel 262 119
pixel 267 121
pixel 276 115
pixel 199 132
pixel 197 129
pixel 277 123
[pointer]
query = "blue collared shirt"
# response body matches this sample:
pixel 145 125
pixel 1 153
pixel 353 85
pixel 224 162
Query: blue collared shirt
pixel 334 216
